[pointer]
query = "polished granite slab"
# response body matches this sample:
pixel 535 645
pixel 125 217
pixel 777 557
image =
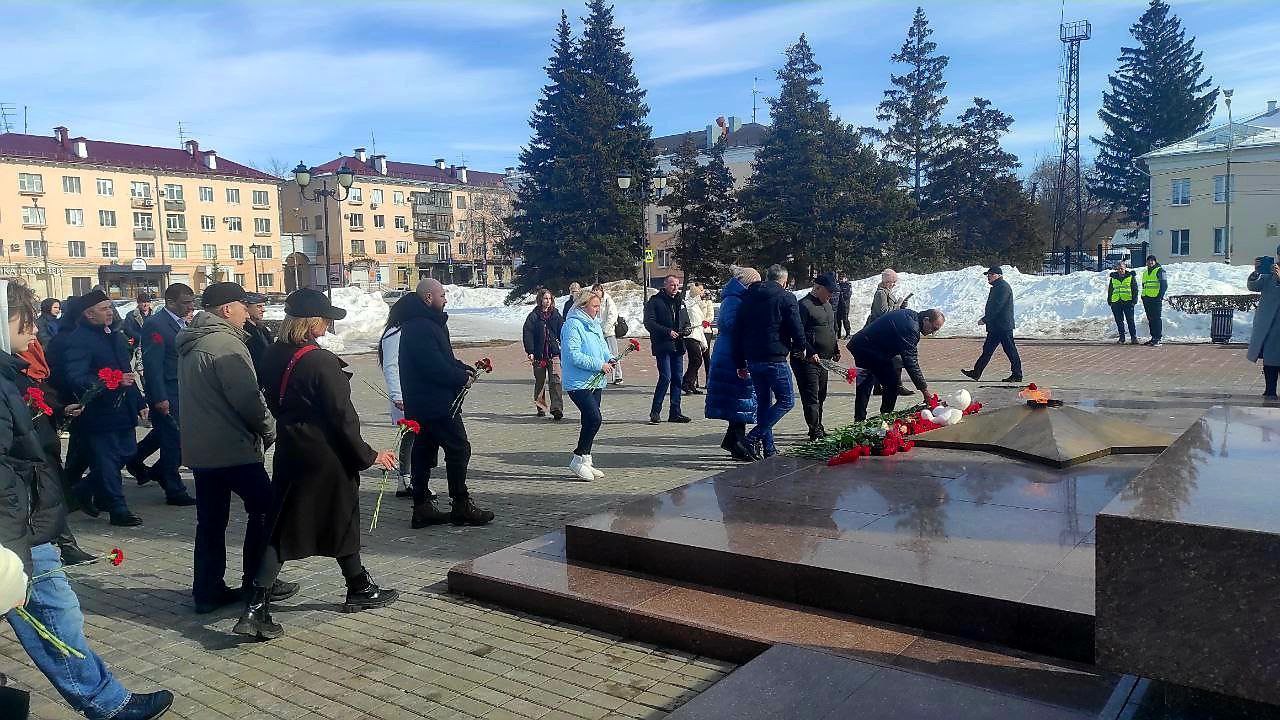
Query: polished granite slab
pixel 955 542
pixel 1188 561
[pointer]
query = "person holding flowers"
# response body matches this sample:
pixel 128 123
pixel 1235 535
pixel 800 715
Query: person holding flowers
pixel 318 460
pixel 587 363
pixel 541 336
pixel 28 526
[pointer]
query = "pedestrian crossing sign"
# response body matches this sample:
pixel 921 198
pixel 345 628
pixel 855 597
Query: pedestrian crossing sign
pixel 648 256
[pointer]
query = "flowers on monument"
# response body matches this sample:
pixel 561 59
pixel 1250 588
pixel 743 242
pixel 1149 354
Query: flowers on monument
pixel 597 381
pixel 484 365
pixel 887 434
pixel 932 401
pixel 406 426
pixel 34 398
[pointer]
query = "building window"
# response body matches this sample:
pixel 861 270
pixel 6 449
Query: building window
pixel 106 188
pixel 402 223
pixel 462 202
pixel 1220 188
pixel 262 226
pixel 266 280
pixel 356 220
pixel 304 223
pixel 76 248
pixel 71 184
pixel 1180 192
pixel 319 223
pixel 177 251
pixel 107 218
pixel 172 192
pixel 462 249
pixel 379 221
pixel 37 248
pixel 206 193
pixel 80 285
pixel 356 195
pixel 234 224
pixel 30 183
pixel 375 195
pixel 237 252
pixel 261 199
pixel 176 221
pixel 1219 241
pixel 357 247
pixel 75 217
pixel 238 278
pixel 110 250
pixel 140 190
pixel 1181 242
pixel 660 223
pixel 142 221
pixel 144 249
pixel 462 227
pixel 209 251
pixel 380 247
pixel 664 257
pixel 208 223
pixel 233 196
pixel 33 216
pixel 265 251
pixel 402 246
pixel 397 197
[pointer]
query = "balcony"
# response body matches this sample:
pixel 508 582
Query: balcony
pixel 427 234
pixel 37 225
pixel 174 235
pixel 31 193
pixel 262 206
pixel 141 203
pixel 430 258
pixel 144 234
pixel 175 205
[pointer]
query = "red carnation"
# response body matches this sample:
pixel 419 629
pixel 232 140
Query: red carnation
pixel 706 323
pixel 851 375
pixel 116 556
pixel 156 338
pixel 111 379
pixel 411 425
pixel 35 399
pixel 932 401
pixel 1032 387
pixel 484 364
pixel 635 344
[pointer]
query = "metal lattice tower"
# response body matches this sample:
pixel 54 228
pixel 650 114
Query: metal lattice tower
pixel 1070 202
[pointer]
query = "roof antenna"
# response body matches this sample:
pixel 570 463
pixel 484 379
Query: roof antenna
pixel 5 124
pixel 373 143
pixel 755 93
pixel 182 136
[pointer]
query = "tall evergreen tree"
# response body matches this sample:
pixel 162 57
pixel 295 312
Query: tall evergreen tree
pixel 915 133
pixel 819 197
pixel 703 207
pixel 1156 98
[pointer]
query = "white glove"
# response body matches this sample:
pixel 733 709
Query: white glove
pixel 13 581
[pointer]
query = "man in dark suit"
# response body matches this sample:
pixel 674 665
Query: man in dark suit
pixel 998 317
pixel 841 305
pixel 895 334
pixel 160 366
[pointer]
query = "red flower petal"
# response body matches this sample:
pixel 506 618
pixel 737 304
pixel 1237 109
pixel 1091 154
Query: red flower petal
pixel 116 556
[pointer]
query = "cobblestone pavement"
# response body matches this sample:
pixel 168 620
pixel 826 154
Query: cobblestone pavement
pixel 442 656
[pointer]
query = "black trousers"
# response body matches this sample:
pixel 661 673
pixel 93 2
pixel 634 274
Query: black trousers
pixel 694 350
pixel 1270 373
pixel 886 373
pixel 165 427
pixel 737 433
pixel 811 379
pixel 999 340
pixel 1124 312
pixel 214 487
pixel 269 565
pixel 451 435
pixel 1153 307
pixel 842 320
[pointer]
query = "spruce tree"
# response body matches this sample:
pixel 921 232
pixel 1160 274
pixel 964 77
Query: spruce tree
pixel 1156 98
pixel 972 163
pixel 704 208
pixel 912 108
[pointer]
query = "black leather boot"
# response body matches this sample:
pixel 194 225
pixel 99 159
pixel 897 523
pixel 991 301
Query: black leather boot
pixel 363 594
pixel 427 513
pixel 465 512
pixel 255 621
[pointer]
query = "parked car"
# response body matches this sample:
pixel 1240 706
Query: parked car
pixel 391 296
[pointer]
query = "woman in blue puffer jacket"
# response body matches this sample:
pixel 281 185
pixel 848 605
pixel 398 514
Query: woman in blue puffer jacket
pixel 729 397
pixel 585 363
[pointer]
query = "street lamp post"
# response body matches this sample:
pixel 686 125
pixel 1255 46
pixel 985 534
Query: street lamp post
pixel 44 251
pixel 1231 135
pixel 642 196
pixel 345 177
pixel 253 250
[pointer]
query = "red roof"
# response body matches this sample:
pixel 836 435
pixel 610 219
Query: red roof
pixel 413 171
pixel 114 154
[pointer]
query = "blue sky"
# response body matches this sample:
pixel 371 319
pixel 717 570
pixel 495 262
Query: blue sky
pixel 429 79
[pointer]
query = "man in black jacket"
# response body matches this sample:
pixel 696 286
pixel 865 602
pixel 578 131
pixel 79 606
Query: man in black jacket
pixel 998 317
pixel 843 329
pixel 896 333
pixel 259 335
pixel 766 332
pixel 819 320
pixel 667 321
pixel 430 379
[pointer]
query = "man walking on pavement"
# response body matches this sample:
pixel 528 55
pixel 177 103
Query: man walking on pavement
pixel 998 318
pixel 667 321
pixel 226 429
pixel 896 333
pixel 819 320
pixel 258 335
pixel 843 330
pixel 160 365
pixel 766 333
pixel 132 326
pixel 1122 294
pixel 431 378
pixel 1154 286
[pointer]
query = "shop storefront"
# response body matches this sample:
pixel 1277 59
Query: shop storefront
pixel 124 282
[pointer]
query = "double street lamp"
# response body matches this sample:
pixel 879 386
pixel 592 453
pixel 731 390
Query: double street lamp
pixel 345 178
pixel 642 195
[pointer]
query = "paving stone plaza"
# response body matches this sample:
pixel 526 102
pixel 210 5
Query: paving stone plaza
pixel 441 655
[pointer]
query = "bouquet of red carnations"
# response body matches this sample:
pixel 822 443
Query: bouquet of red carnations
pixel 109 380
pixel 850 374
pixel 597 380
pixel 483 365
pixel 34 398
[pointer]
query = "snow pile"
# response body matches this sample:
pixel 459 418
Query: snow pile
pixel 356 333
pixel 480 314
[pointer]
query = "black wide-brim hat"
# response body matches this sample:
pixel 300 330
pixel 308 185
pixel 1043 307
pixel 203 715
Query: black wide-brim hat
pixel 306 303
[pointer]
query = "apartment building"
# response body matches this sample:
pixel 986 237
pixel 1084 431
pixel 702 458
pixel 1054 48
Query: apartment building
pixel 400 222
pixel 1190 189
pixel 76 212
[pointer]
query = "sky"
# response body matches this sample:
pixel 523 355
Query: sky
pixel 272 83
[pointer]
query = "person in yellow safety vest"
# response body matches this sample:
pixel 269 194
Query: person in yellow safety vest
pixel 1154 286
pixel 1122 294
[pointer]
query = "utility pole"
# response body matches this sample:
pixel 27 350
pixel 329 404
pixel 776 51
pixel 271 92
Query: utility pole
pixel 1231 136
pixel 44 250
pixel 1070 190
pixel 755 95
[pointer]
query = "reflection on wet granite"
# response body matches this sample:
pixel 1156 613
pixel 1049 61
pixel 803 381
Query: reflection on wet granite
pixel 1186 564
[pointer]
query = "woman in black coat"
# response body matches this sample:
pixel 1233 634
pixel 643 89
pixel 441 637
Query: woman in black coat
pixel 318 459
pixel 542 345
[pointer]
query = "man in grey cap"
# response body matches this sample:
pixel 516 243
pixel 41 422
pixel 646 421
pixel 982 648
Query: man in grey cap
pixel 820 332
pixel 998 318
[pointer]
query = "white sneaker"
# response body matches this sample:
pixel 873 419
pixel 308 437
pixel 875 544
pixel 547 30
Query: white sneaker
pixel 592 467
pixel 579 466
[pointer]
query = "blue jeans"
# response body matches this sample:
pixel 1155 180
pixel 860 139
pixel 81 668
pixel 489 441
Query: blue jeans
pixel 670 372
pixel 774 398
pixel 588 402
pixel 87 685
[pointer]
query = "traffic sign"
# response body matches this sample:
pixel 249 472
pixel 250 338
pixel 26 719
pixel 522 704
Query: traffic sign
pixel 648 256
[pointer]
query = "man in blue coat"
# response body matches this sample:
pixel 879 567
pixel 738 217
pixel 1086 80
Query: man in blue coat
pixel 160 366
pixel 108 421
pixel 998 317
pixel 896 333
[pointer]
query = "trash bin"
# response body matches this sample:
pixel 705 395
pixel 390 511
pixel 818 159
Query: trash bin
pixel 1220 325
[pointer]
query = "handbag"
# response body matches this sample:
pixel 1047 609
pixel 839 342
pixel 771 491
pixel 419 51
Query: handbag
pixel 620 327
